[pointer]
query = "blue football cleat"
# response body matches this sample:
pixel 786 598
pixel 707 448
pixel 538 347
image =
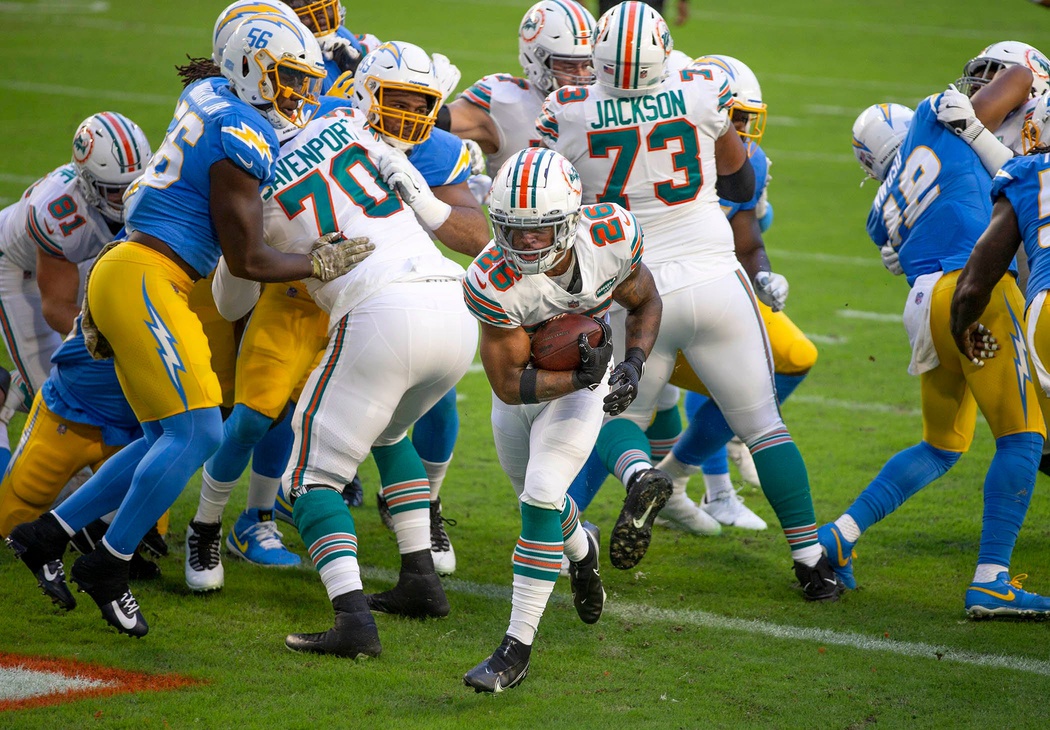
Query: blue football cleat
pixel 282 509
pixel 255 538
pixel 1004 597
pixel 840 553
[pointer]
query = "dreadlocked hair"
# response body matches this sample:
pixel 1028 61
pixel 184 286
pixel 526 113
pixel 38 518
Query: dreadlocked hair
pixel 197 69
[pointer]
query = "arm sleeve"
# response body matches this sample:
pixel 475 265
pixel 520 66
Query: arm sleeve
pixel 234 297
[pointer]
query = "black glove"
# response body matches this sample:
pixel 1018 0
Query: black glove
pixel 346 58
pixel 623 384
pixel 594 361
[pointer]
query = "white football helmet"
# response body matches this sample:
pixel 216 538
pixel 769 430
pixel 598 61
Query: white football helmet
pixel 747 94
pixel 981 69
pixel 631 47
pixel 877 135
pixel 1035 127
pixel 271 62
pixel 109 152
pixel 322 17
pixel 536 188
pixel 399 67
pixel 232 16
pixel 555 30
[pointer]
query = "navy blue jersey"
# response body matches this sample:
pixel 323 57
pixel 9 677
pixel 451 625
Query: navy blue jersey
pixel 935 202
pixel 171 200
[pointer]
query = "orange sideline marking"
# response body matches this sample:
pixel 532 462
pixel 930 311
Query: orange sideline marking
pixel 118 681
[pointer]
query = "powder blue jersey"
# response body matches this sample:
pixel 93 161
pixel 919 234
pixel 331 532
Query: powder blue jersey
pixel 761 166
pixel 935 202
pixel 1022 180
pixel 84 390
pixel 171 199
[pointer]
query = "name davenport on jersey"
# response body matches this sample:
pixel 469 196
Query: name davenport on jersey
pixel 608 248
pixel 305 204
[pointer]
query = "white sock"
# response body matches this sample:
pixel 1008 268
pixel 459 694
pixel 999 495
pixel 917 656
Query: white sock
pixel 412 529
pixel 340 576
pixel 717 484
pixel 262 491
pixel 848 527
pixel 987 572
pixel 679 471
pixel 113 552
pixel 577 544
pixel 63 524
pixel 633 469
pixel 436 471
pixel 214 496
pixel 808 556
pixel 527 605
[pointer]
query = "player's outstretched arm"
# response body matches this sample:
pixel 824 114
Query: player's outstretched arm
pixel 987 264
pixel 237 213
pixel 505 354
pixel 638 295
pixel 59 281
pixel 771 289
pixel 1008 90
pixel 465 230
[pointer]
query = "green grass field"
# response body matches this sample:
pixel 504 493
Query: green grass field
pixel 707 632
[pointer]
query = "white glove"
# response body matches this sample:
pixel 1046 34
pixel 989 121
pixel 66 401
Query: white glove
pixel 342 51
pixel 772 289
pixel 481 187
pixel 401 175
pixel 955 111
pixel 332 255
pixel 478 163
pixel 447 75
pixel 891 260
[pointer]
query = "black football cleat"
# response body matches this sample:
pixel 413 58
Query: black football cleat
pixel 354 493
pixel 506 668
pixel 104 577
pixel 354 634
pixel 647 494
pixel 414 596
pixel 88 538
pixel 819 583
pixel 40 545
pixel 154 543
pixel 141 568
pixel 588 594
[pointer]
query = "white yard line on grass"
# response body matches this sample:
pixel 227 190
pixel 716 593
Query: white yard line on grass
pixel 54 6
pixel 869 316
pixel 706 620
pixel 81 92
pixel 829 258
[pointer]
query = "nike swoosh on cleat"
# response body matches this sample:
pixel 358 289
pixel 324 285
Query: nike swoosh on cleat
pixel 49 576
pixel 242 546
pixel 639 521
pixel 127 623
pixel 1008 596
pixel 843 562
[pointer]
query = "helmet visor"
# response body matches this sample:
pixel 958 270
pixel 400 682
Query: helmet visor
pixel 296 88
pixel 533 245
pixel 978 73
pixel 749 120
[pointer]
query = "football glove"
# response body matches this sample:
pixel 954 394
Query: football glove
pixel 594 361
pixel 401 175
pixel 623 384
pixel 342 51
pixel 332 255
pixel 478 165
pixel 447 75
pixel 481 187
pixel 891 260
pixel 771 289
pixel 955 111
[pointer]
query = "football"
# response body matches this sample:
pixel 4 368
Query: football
pixel 554 345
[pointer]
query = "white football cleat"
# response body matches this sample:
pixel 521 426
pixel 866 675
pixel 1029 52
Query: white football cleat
pixel 682 513
pixel 440 547
pixel 729 509
pixel 745 464
pixel 204 571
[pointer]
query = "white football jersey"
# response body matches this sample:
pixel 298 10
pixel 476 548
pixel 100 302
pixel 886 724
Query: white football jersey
pixel 52 217
pixel 328 180
pixel 513 105
pixel 655 156
pixel 608 248
pixel 1009 132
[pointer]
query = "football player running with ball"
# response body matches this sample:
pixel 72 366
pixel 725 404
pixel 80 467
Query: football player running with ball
pixel 551 256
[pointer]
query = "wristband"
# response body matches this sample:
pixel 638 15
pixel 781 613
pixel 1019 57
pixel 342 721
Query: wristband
pixel 444 118
pixel 527 386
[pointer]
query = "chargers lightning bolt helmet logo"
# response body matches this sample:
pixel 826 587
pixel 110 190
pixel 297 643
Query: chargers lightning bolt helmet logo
pixel 166 345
